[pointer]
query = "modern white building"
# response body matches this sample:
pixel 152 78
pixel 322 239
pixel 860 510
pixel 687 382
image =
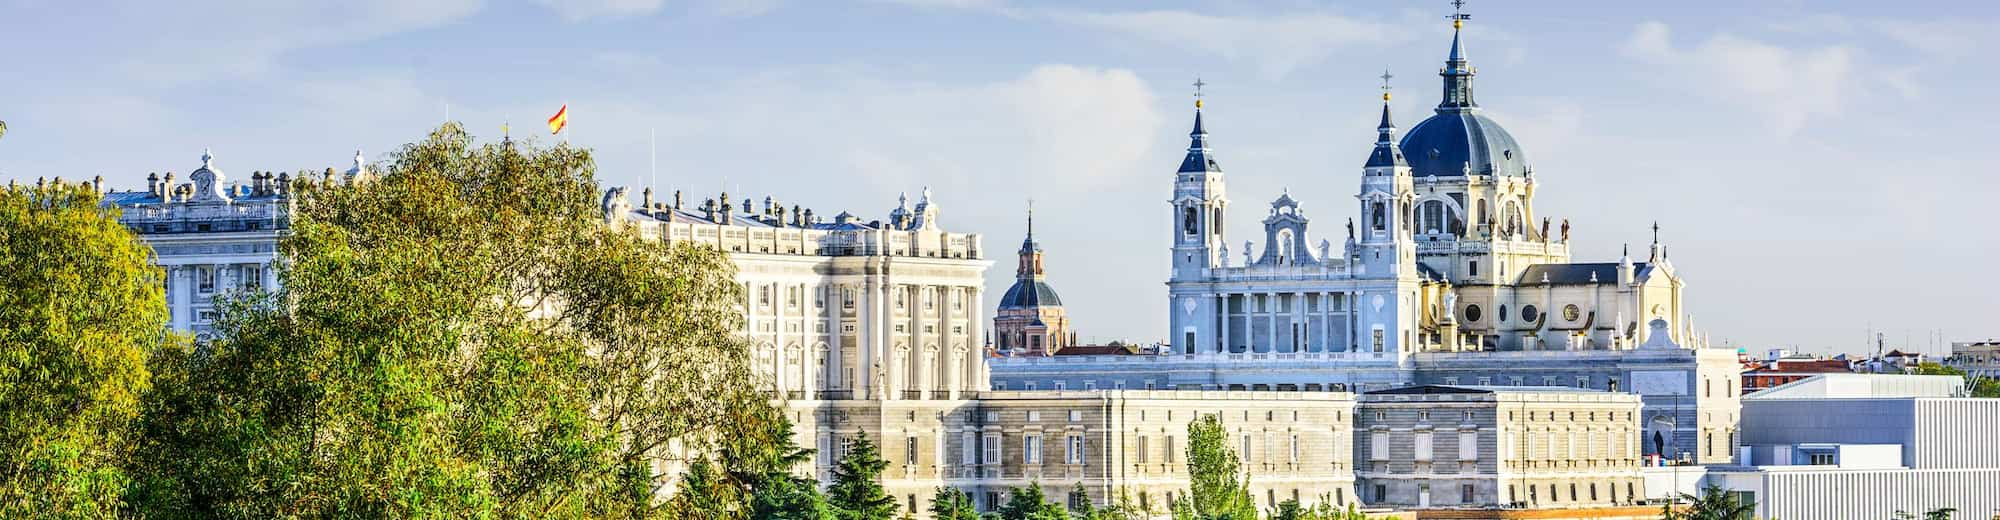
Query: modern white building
pixel 1859 446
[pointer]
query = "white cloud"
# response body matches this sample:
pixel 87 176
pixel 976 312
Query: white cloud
pixel 579 10
pixel 189 41
pixel 1789 86
pixel 1276 44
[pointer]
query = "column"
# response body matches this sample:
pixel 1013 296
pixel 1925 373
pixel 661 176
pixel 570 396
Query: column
pixel 835 355
pixel 1353 325
pixel 1222 309
pixel 778 301
pixel 1325 321
pixel 865 339
pixel 975 357
pixel 1271 322
pixel 181 281
pixel 948 353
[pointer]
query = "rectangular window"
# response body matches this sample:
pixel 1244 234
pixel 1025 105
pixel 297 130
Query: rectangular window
pixel 1474 268
pixel 1423 446
pixel 1465 494
pixel 1089 385
pixel 1548 380
pixel 1142 449
pixel 1031 449
pixel 1451 381
pixel 1468 445
pixel 1074 454
pixel 1060 384
pixel 1378 446
pixel 910 450
pixel 1030 385
pixel 1486 381
pixel 1246 447
pixel 1295 449
pixel 1583 382
pixel 205 279
pixel 968 449
pixel 1076 416
pixel 1378 340
pixel 1034 416
pixel 992 446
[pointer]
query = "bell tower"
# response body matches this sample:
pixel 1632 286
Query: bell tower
pixel 1198 204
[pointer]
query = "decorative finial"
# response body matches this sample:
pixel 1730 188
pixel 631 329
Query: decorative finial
pixel 1386 76
pixel 206 158
pixel 1031 218
pixel 1197 91
pixel 1656 232
pixel 1458 17
pixel 359 158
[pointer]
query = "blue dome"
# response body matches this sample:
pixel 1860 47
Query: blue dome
pixel 1029 294
pixel 1447 143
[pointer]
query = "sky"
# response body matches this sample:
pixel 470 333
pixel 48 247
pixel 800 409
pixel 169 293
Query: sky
pixel 1818 169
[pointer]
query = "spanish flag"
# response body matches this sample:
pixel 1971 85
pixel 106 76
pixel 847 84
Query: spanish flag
pixel 560 120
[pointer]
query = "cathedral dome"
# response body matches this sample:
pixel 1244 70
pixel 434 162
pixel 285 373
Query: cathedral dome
pixel 1456 140
pixel 1028 294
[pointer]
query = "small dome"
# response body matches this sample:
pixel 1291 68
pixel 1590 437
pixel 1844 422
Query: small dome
pixel 1027 294
pixel 1450 141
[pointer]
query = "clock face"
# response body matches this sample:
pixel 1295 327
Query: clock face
pixel 1571 313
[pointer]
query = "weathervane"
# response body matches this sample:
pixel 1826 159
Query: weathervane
pixel 1458 16
pixel 1197 91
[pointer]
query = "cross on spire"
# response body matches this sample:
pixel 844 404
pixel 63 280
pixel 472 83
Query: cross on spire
pixel 1458 16
pixel 1197 91
pixel 1386 76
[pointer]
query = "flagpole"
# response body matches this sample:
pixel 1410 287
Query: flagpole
pixel 565 129
pixel 653 158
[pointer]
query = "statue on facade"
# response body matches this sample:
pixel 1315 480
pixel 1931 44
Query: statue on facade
pixel 1246 253
pixel 1350 229
pixel 1545 229
pixel 1565 231
pixel 1325 249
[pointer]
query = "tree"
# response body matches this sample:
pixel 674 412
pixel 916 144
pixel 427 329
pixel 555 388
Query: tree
pixel 1216 488
pixel 1975 386
pixel 1079 503
pixel 81 312
pixel 751 475
pixel 1943 513
pixel 857 484
pixel 952 504
pixel 1714 503
pixel 463 336
pixel 1030 503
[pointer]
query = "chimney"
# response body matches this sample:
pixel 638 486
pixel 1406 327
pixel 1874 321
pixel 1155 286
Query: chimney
pixel 284 183
pixel 153 184
pixel 646 200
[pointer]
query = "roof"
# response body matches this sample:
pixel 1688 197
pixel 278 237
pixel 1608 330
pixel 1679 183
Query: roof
pixel 1030 293
pixel 1577 274
pixel 1854 386
pixel 1098 350
pixel 1477 389
pixel 1447 144
pixel 1198 158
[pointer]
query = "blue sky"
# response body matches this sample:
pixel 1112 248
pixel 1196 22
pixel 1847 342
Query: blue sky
pixel 1816 166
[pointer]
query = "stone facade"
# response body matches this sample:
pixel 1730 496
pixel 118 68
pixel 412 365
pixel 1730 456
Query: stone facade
pixel 1429 447
pixel 1446 275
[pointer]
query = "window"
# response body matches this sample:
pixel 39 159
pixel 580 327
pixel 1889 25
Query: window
pixel 1583 382
pixel 1378 445
pixel 1142 449
pixel 992 500
pixel 763 295
pixel 1060 385
pixel 846 443
pixel 1034 416
pixel 1378 340
pixel 1529 313
pixel 1076 416
pixel 205 278
pixel 992 446
pixel 1548 380
pixel 1167 454
pixel 1821 459
pixel 968 449
pixel 1465 494
pixel 1074 455
pixel 847 298
pixel 1031 449
pixel 1468 445
pixel 1451 381
pixel 1423 446
pixel 909 450
pixel 1246 447
pixel 1295 449
pixel 1089 385
pixel 1473 267
pixel 1381 493
pixel 1486 381
pixel 1189 221
pixel 1028 385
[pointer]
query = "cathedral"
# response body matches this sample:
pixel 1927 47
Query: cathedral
pixel 1445 275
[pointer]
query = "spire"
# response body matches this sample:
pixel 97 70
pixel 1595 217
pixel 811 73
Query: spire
pixel 1387 153
pixel 1028 244
pixel 1198 159
pixel 1457 71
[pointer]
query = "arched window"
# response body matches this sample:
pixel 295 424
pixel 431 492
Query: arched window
pixel 1432 217
pixel 1190 221
pixel 1378 216
pixel 1510 219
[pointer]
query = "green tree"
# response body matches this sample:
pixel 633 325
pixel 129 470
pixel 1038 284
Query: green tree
pixel 1714 503
pixel 1080 505
pixel 1942 513
pixel 857 491
pixel 1217 489
pixel 81 312
pixel 461 337
pixel 952 504
pixel 751 475
pixel 1030 503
